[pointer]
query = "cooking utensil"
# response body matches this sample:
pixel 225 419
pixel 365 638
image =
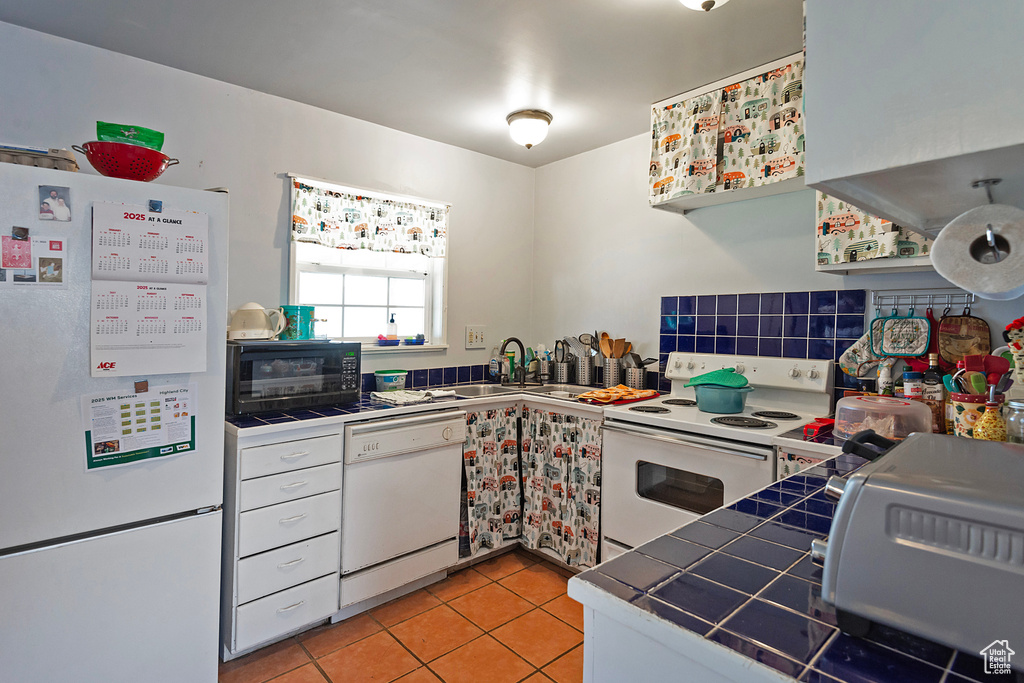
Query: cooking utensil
pixel 606 347
pixel 628 348
pixel 618 347
pixel 716 398
pixel 122 160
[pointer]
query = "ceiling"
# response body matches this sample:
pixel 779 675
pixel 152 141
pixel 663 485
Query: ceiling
pixel 445 70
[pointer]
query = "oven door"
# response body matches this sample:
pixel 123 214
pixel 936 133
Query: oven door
pixel 656 480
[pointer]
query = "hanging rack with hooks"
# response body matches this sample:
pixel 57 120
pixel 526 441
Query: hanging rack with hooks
pixel 947 300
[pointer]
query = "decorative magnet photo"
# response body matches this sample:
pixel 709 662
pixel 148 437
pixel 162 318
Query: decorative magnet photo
pixel 54 203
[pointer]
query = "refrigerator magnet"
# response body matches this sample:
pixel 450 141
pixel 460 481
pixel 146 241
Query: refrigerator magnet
pixel 54 203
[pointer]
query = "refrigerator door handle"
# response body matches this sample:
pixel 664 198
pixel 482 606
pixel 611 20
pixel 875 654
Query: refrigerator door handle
pixel 291 519
pixel 289 608
pixel 285 487
pixel 291 564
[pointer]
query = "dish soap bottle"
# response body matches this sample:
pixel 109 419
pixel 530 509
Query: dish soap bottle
pixel 392 328
pixel 990 426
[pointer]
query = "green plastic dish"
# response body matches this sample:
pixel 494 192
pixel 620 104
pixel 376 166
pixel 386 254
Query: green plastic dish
pixel 726 377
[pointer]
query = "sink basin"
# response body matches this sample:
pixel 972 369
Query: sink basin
pixel 473 390
pixel 568 392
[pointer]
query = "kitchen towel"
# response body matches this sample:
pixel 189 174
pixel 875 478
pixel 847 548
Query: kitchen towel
pixel 402 397
pixel 963 256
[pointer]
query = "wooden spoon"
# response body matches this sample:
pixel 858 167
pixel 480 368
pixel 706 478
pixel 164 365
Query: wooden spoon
pixel 606 346
pixel 618 347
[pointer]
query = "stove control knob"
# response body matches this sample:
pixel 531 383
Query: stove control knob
pixel 690 365
pixel 812 373
pixel 740 368
pixel 794 373
pixel 678 364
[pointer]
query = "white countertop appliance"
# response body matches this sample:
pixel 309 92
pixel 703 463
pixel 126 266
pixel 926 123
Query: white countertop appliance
pixel 109 573
pixel 929 539
pixel 666 462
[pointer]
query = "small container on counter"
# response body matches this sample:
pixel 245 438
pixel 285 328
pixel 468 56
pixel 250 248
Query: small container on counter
pixel 913 384
pixel 1015 421
pixel 968 410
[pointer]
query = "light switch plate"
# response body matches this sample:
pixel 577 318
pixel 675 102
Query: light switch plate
pixel 475 337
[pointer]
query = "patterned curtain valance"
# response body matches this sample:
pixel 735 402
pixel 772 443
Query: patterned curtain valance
pixel 346 218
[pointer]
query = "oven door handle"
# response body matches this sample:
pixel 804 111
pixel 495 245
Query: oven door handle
pixel 688 439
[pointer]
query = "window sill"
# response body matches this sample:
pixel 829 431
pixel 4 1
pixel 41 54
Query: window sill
pixel 373 349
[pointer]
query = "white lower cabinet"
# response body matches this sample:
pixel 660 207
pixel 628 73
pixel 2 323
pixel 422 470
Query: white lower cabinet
pixel 282 537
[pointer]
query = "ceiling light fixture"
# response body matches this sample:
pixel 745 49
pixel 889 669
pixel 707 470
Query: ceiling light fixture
pixel 528 127
pixel 706 5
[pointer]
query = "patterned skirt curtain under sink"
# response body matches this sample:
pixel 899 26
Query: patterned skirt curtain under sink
pixel 562 484
pixel 491 461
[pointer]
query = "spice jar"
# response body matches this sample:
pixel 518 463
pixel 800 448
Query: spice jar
pixel 913 384
pixel 1015 421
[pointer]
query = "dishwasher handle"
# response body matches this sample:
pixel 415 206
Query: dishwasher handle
pixel 390 437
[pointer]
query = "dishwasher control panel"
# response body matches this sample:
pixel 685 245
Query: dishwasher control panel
pixel 397 436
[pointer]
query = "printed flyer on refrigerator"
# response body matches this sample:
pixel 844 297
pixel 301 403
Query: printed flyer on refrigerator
pixel 149 277
pixel 123 428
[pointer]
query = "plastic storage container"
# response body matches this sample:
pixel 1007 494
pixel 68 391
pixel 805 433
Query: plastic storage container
pixel 390 380
pixel 893 418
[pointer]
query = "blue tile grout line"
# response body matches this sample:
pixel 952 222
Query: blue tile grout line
pixel 811 481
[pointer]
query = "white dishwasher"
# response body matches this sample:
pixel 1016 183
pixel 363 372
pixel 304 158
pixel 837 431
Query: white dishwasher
pixel 400 509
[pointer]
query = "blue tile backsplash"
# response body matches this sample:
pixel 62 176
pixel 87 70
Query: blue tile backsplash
pixel 816 325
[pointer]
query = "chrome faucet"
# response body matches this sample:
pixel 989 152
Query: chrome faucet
pixel 521 370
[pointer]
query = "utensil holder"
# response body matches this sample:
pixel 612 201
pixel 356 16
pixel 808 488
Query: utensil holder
pixel 612 372
pixel 636 378
pixel 585 371
pixel 544 370
pixel 563 373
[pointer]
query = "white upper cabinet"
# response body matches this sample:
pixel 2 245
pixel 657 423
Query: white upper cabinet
pixel 909 102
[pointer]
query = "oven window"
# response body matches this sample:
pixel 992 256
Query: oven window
pixel 679 488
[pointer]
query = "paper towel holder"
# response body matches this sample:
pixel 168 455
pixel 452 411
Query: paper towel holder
pixel 991 248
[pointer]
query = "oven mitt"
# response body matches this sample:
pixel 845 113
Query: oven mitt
pixel 726 377
pixel 905 337
pixel 859 357
pixel 875 335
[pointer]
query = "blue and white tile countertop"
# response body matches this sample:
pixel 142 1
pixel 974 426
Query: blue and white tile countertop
pixel 742 577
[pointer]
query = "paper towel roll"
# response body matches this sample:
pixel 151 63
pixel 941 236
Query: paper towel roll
pixel 962 254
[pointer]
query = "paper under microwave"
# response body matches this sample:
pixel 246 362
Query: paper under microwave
pixel 264 376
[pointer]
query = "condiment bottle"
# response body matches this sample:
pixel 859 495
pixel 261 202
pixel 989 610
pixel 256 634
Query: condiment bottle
pixel 1014 421
pixel 913 384
pixel 990 426
pixel 933 390
pixel 885 378
pixel 392 328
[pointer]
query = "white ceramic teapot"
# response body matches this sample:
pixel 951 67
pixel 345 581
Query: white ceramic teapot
pixel 252 321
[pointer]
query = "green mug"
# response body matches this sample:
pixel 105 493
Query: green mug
pixel 299 323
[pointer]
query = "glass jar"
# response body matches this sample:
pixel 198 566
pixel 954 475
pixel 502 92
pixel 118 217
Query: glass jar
pixel 913 384
pixel 1015 421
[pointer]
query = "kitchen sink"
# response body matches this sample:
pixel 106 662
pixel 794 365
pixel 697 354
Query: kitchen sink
pixel 566 391
pixel 474 390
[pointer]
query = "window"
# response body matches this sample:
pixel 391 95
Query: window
pixel 356 292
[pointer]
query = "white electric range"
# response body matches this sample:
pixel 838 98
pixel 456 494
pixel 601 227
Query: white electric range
pixel 665 462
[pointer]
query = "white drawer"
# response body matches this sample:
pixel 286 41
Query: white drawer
pixel 278 525
pixel 265 619
pixel 278 488
pixel 260 461
pixel 293 564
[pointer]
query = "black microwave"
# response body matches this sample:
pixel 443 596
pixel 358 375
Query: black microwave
pixel 265 376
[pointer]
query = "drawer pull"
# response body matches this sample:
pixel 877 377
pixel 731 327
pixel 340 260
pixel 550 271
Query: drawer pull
pixel 285 487
pixel 291 564
pixel 289 608
pixel 291 519
pixel 294 455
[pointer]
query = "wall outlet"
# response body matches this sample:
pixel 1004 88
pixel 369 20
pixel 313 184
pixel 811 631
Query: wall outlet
pixel 475 337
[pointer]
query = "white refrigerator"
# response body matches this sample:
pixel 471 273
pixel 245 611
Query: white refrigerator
pixel 108 574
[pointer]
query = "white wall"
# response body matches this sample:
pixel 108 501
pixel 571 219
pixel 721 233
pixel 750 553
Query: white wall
pixel 54 91
pixel 603 257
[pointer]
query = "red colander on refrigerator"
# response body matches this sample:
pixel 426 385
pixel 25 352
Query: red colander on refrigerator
pixel 122 160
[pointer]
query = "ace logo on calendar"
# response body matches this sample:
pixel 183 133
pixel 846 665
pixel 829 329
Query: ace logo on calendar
pixel 149 277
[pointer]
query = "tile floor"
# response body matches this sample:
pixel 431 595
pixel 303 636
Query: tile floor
pixel 502 621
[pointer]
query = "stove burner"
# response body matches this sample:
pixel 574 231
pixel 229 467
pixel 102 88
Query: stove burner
pixel 681 402
pixel 776 415
pixel 742 422
pixel 650 409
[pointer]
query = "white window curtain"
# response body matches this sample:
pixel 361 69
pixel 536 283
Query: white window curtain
pixel 345 218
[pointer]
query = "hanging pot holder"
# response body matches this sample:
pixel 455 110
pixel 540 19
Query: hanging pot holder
pixel 905 337
pixel 875 333
pixel 963 335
